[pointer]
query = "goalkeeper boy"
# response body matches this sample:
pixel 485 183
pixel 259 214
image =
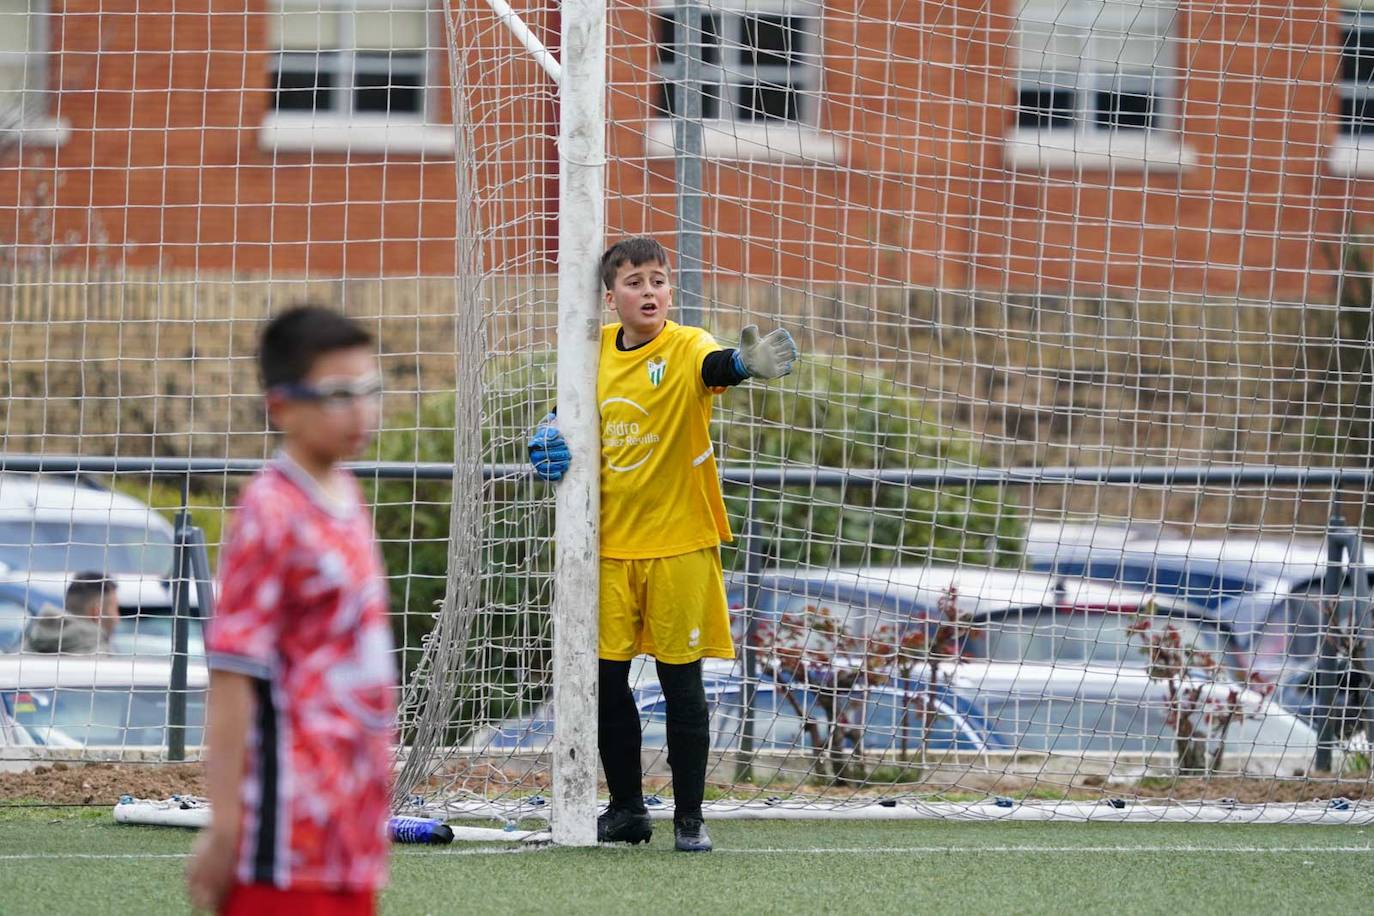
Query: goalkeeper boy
pixel 662 523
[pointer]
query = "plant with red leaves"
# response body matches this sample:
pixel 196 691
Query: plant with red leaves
pixel 814 653
pixel 1199 711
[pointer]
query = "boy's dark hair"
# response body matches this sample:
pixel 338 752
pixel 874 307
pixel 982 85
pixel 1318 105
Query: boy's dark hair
pixel 636 250
pixel 292 341
pixel 85 588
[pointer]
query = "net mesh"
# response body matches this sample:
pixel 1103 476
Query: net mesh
pixel 1028 235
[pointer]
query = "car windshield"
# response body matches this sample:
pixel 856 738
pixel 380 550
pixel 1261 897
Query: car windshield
pixel 1285 648
pixel 13 616
pixel 62 546
pixel 1079 637
pixel 105 716
pixel 151 634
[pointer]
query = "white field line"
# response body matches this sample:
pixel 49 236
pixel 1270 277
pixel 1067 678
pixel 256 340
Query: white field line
pixel 1099 850
pixel 806 851
pixel 44 857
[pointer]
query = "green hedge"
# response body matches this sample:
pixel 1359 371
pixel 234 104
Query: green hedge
pixel 827 416
pixel 838 417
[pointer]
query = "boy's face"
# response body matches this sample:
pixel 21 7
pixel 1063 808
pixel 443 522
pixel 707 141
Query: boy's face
pixel 338 414
pixel 641 297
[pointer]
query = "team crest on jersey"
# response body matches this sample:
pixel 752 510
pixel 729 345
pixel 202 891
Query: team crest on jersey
pixel 657 366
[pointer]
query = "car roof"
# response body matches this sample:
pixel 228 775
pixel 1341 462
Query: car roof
pixel 1263 561
pixel 38 671
pixel 980 591
pixel 1088 533
pixel 43 497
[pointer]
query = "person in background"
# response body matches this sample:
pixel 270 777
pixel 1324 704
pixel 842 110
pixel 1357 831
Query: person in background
pixel 84 625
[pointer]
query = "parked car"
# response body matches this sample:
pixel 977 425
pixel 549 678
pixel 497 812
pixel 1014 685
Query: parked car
pixel 1076 711
pixel 1264 594
pixel 53 527
pixel 105 702
pixel 1014 615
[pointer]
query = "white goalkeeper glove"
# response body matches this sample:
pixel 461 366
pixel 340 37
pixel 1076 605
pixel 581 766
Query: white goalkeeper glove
pixel 770 356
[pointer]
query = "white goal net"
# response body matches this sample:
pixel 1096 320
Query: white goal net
pixel 1063 504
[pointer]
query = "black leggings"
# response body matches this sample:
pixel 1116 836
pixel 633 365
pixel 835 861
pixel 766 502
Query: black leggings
pixel 688 730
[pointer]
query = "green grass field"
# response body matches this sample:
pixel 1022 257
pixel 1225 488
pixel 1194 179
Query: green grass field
pixel 64 860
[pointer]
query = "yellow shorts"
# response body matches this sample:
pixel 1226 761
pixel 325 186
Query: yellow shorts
pixel 672 608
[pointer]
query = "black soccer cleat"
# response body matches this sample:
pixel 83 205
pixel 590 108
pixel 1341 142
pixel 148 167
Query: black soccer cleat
pixel 623 825
pixel 689 835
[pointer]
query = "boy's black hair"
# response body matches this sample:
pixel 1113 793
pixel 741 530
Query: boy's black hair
pixel 292 341
pixel 636 250
pixel 85 588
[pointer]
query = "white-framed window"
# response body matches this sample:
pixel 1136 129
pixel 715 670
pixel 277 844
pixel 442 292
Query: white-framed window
pixel 759 78
pixel 25 107
pixel 1095 83
pixel 1353 152
pixel 354 75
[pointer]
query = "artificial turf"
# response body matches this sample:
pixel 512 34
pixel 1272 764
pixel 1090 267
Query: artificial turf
pixel 62 860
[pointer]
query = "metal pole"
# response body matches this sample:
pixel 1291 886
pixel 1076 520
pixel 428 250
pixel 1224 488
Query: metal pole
pixel 581 237
pixel 201 575
pixel 687 153
pixel 753 570
pixel 1339 546
pixel 181 613
pixel 1255 475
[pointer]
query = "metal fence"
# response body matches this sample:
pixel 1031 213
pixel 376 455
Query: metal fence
pixel 1342 680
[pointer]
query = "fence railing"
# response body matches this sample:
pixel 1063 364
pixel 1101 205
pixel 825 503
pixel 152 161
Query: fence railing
pixel 1343 637
pixel 949 475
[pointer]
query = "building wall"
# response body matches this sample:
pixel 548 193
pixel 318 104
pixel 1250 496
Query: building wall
pixel 163 167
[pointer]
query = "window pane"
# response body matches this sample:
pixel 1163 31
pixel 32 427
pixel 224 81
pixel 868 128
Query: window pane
pixel 763 101
pixel 665 37
pixel 1045 109
pixel 1050 47
pixel 113 717
pixel 1054 36
pixel 383 30
pixel 665 101
pixel 13 616
pixel 772 40
pixel 1133 54
pixel 15 33
pixel 1131 37
pixel 1357 55
pixel 1125 110
pixel 305 85
pixel 710 38
pixel 75 546
pixel 305 30
pixel 385 94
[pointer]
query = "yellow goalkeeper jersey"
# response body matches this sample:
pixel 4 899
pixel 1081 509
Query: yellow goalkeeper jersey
pixel 660 492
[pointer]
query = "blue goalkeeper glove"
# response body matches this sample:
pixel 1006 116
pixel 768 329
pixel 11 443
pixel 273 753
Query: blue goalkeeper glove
pixel 548 449
pixel 768 357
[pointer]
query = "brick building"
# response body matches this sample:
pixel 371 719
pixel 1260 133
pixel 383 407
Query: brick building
pixel 1020 145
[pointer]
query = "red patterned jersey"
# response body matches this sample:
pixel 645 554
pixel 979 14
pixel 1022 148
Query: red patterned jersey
pixel 302 611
